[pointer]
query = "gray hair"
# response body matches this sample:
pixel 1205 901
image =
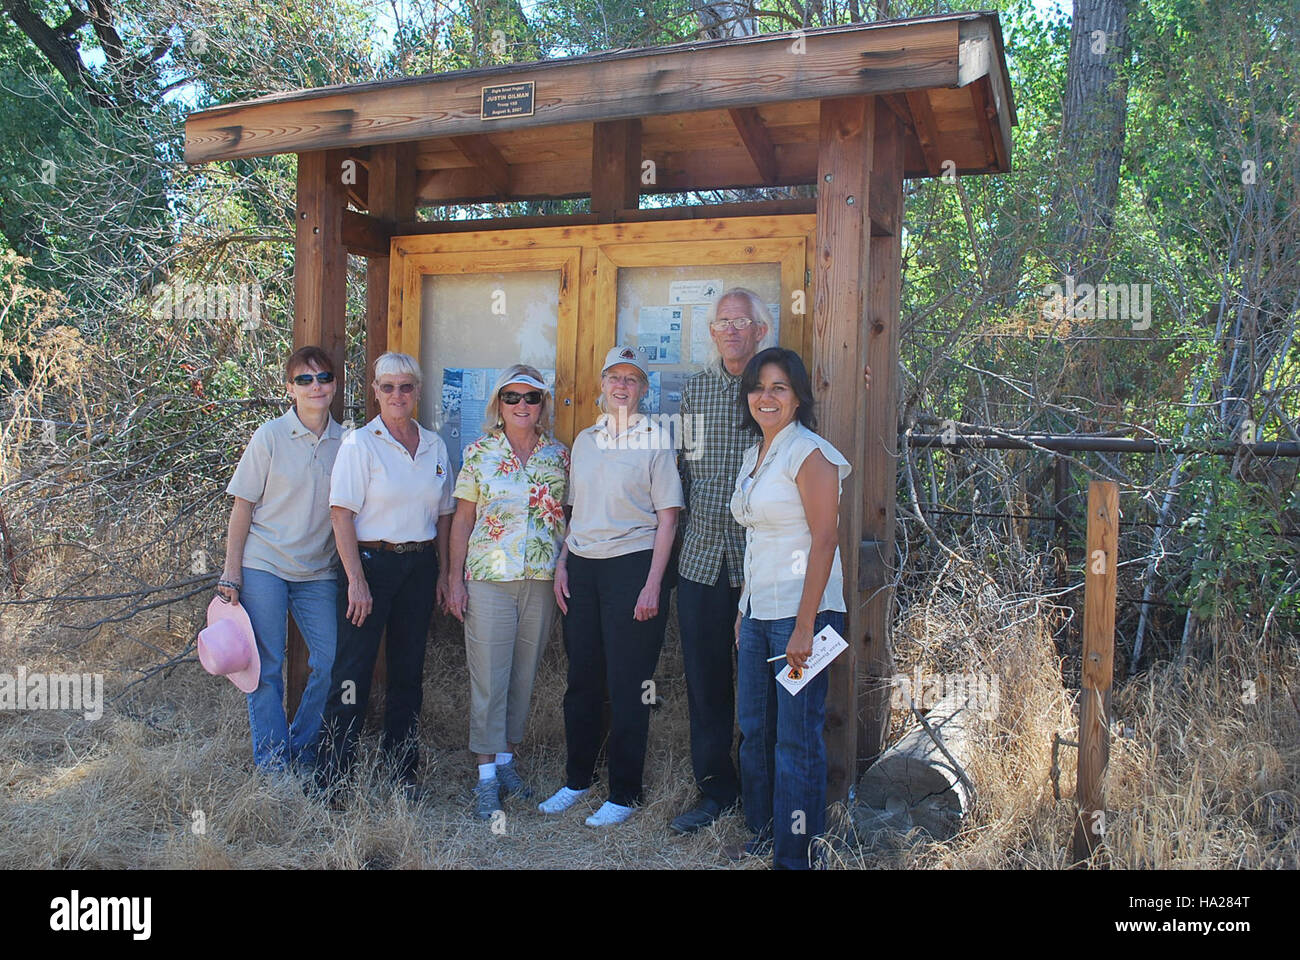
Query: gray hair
pixel 492 419
pixel 394 364
pixel 757 311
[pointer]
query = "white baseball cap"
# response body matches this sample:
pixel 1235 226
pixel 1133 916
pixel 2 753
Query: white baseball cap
pixel 625 355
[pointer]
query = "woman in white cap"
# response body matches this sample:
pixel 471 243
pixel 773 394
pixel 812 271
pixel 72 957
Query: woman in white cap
pixel 505 539
pixel 625 493
pixel 390 499
pixel 280 556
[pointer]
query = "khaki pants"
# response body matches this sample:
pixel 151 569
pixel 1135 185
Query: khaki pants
pixel 506 629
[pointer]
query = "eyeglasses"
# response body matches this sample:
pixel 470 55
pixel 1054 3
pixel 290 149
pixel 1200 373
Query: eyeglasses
pixel 305 379
pixel 532 397
pixel 735 323
pixel 390 387
pixel 622 381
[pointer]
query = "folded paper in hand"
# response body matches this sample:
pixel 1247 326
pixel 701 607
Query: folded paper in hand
pixel 827 645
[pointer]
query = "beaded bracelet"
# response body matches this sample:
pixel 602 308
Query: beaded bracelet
pixel 231 584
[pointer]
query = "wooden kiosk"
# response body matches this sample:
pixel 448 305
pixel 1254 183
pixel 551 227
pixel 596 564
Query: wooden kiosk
pixel 852 109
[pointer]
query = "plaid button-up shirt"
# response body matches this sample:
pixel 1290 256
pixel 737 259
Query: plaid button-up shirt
pixel 712 533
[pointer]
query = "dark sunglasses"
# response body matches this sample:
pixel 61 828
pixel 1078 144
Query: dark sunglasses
pixel 404 387
pixel 532 397
pixel 305 379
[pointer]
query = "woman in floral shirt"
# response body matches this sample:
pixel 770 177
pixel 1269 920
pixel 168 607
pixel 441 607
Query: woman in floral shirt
pixel 506 536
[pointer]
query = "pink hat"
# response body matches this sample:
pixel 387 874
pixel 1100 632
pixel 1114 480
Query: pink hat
pixel 227 647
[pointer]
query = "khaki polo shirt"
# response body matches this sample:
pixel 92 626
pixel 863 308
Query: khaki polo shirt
pixel 285 474
pixel 616 483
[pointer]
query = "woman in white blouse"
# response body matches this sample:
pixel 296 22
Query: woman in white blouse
pixel 391 505
pixel 787 499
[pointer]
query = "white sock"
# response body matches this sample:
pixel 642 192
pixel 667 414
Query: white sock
pixel 487 771
pixel 504 758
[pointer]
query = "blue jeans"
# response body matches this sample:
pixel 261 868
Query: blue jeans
pixel 268 599
pixel 782 753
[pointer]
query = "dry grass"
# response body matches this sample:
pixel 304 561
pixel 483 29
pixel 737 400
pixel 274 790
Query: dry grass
pixel 1205 781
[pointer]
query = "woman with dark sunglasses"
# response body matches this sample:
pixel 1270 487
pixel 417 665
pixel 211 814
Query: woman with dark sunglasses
pixel 390 500
pixel 505 538
pixel 280 555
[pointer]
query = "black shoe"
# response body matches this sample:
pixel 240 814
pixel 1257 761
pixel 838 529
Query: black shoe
pixel 327 792
pixel 757 847
pixel 697 818
pixel 413 792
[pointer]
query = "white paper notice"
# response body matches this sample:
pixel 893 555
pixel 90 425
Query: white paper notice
pixel 701 341
pixel 827 645
pixel 694 291
pixel 659 334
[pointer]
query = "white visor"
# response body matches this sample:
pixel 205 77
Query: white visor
pixel 531 381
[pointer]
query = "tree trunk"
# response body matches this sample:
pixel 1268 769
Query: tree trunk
pixel 1092 132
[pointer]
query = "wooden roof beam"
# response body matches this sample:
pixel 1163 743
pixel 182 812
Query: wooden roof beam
pixel 828 62
pixel 364 235
pixel 926 130
pixel 757 141
pixel 615 168
pixel 980 55
pixel 478 150
pixel 359 191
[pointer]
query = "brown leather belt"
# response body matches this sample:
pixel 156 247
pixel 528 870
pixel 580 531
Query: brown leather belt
pixel 413 546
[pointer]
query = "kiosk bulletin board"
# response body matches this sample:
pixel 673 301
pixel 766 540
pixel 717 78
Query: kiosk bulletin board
pixel 558 298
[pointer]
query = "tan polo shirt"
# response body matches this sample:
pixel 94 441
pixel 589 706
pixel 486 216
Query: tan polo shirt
pixel 616 483
pixel 285 474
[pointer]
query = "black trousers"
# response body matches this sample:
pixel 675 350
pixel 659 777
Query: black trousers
pixel 609 650
pixel 403 586
pixel 706 616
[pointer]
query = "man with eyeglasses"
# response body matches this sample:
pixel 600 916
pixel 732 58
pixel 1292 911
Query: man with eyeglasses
pixel 710 568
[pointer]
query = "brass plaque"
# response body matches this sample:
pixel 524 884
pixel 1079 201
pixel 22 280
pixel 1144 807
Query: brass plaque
pixel 507 100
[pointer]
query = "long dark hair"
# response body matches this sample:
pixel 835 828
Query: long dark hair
pixel 794 371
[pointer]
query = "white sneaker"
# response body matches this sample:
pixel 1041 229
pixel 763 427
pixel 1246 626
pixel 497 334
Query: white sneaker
pixel 561 800
pixel 609 813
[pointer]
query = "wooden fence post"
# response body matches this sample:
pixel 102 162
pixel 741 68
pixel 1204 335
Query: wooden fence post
pixel 1099 573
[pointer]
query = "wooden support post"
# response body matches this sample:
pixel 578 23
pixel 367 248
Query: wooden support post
pixel 839 353
pixel 615 168
pixel 392 201
pixel 320 264
pixel 1098 664
pixel 1060 479
pixel 320 261
pixel 880 456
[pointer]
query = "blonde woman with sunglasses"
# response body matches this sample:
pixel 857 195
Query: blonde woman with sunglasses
pixel 505 539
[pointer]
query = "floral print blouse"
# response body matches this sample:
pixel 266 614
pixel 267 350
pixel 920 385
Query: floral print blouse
pixel 520 508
